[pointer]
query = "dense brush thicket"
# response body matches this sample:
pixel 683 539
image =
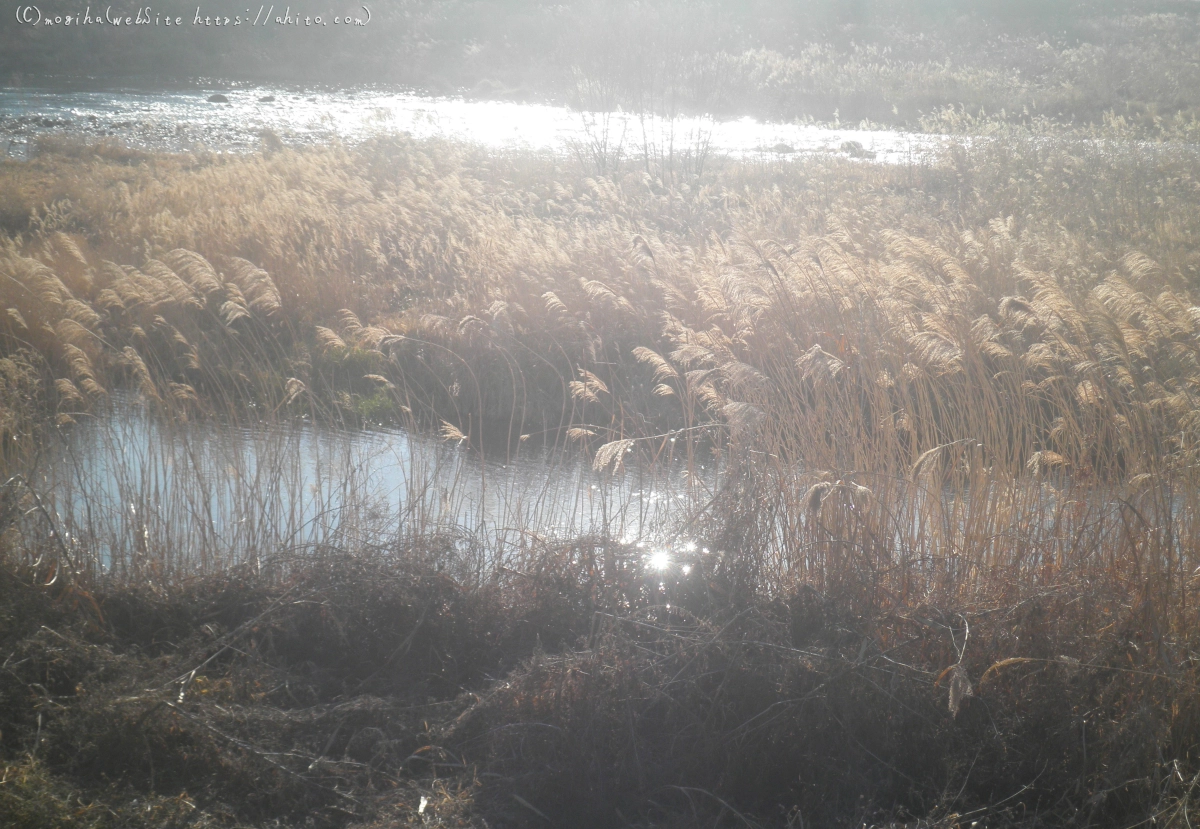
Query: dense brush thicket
pixel 374 691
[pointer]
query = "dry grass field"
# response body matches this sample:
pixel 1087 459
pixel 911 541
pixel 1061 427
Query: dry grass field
pixel 948 578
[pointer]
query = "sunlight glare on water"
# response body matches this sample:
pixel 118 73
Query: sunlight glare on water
pixel 174 120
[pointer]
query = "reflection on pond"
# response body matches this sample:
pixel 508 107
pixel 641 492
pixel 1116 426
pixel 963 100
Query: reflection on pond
pixel 125 483
pixel 130 491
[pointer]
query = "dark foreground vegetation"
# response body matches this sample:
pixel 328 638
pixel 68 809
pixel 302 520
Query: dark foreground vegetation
pixel 374 690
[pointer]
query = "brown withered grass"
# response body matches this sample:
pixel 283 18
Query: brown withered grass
pixel 949 574
pixel 373 690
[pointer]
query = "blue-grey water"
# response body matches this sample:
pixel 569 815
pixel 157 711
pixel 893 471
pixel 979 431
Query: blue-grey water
pixel 127 489
pixel 124 484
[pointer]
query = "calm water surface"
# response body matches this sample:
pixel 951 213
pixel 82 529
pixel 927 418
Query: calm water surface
pixel 125 481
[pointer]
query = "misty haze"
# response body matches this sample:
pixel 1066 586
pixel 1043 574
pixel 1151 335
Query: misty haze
pixel 731 413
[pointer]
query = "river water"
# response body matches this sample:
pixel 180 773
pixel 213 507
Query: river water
pixel 187 120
